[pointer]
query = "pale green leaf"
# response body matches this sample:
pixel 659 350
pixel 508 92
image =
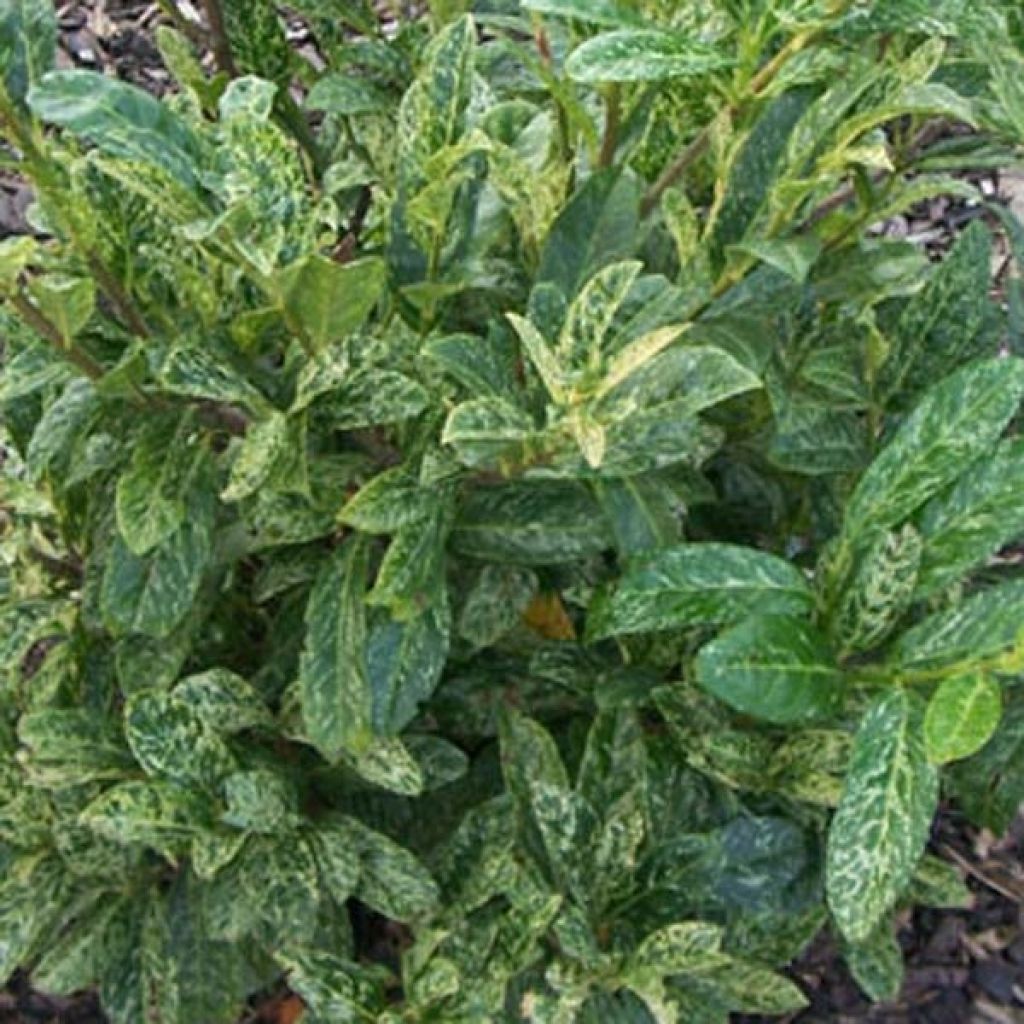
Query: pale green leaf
pixel 962 717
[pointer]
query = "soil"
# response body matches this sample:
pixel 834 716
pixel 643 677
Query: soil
pixel 963 966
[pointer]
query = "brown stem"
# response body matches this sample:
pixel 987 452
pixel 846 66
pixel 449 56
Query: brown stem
pixel 219 38
pixel 45 327
pixel 612 122
pixel 119 298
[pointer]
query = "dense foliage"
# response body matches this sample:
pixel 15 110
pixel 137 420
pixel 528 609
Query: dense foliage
pixel 511 501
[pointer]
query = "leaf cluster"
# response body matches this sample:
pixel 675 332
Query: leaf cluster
pixel 515 502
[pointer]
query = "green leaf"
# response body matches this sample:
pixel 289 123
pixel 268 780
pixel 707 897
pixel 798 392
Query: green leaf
pixel 642 55
pixel 970 522
pixel 776 668
pixel 990 785
pixel 495 604
pixel 345 95
pixel 326 300
pixel 876 964
pixel 643 511
pixel 598 226
pixel 32 893
pixel 530 524
pixel 61 427
pixel 592 12
pixel 698 584
pixel 881 826
pixel 28 44
pixel 152 594
pixel 962 717
pixel 982 627
pixel 957 423
pixel 151 493
pixel 404 662
pixel 331 988
pixel 122 120
pixel 335 693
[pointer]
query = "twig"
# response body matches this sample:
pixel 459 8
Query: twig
pixel 219 38
pixel 986 880
pixel 612 121
pixel 699 146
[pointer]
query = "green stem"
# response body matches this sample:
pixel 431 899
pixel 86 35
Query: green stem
pixel 294 121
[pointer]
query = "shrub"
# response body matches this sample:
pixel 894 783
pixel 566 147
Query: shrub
pixel 536 507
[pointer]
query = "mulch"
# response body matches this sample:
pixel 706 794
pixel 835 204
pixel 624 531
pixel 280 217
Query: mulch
pixel 963 966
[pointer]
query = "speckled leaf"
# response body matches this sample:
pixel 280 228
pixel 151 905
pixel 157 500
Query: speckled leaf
pixel 270 446
pixel 69 746
pixel 987 624
pixel 338 859
pixel 876 964
pixel 880 592
pixel 150 501
pixel 335 693
pixel 32 893
pixel 169 741
pixel 593 12
pixel 690 946
pixel 698 584
pixel 328 300
pixel 642 55
pixel 530 524
pixel 259 800
pixel 592 312
pixel 644 513
pixel 528 755
pixel 776 668
pixel 392 881
pixel 223 701
pixel 191 369
pixel 346 95
pixel 370 397
pixel 390 501
pixel 488 431
pixel 544 360
pixel 880 829
pixel 957 423
pixel 61 426
pixel 969 523
pixel 121 119
pixel 160 815
pixel 410 577
pixel 962 717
